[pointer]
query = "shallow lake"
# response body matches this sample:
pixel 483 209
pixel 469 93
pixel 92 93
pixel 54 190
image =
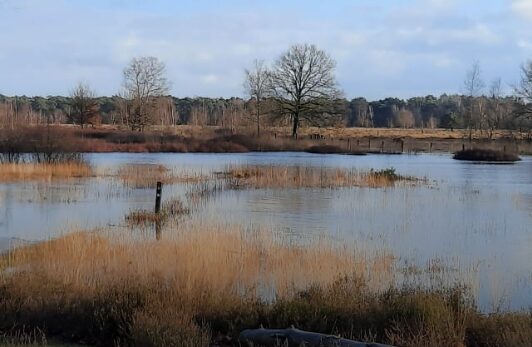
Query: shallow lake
pixel 472 220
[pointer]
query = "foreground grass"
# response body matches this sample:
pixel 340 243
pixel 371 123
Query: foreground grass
pixel 43 171
pixel 207 284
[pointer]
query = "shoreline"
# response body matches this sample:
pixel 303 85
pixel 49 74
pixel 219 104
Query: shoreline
pixel 212 139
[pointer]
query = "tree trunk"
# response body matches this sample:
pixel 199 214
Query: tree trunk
pixel 258 119
pixel 295 125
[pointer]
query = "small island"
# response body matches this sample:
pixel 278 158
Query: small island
pixel 486 155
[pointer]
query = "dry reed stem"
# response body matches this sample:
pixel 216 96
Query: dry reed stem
pixel 222 261
pixel 43 171
pixel 307 177
pixel 147 175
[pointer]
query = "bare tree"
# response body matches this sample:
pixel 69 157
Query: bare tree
pixel 84 107
pixel 524 92
pixel 256 85
pixel 405 119
pixel 473 85
pixel 303 84
pixel 496 108
pixel 144 80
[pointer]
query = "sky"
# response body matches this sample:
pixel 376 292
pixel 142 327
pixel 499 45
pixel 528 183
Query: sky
pixel 397 48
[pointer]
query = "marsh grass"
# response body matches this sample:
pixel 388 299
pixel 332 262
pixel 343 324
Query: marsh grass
pixel 170 209
pixel 23 337
pixel 104 290
pixel 309 177
pixel 10 172
pixel 147 175
pixel 207 282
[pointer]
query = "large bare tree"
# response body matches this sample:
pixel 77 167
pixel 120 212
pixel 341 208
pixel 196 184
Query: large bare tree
pixel 524 92
pixel 144 81
pixel 473 86
pixel 303 84
pixel 84 107
pixel 256 85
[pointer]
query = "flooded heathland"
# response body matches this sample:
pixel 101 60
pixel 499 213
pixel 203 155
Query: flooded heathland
pixel 436 221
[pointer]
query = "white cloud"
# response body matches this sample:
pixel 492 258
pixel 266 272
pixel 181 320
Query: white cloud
pixel 210 79
pixel 353 39
pixel 524 44
pixel 443 62
pixel 523 8
pixel 477 33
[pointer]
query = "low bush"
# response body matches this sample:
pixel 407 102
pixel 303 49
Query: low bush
pixel 489 155
pixel 331 149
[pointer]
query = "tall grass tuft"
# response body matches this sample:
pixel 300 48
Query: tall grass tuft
pixel 147 175
pixel 309 177
pixel 10 172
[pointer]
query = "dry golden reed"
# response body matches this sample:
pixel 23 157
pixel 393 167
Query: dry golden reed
pixel 147 175
pixel 44 171
pixel 307 177
pixel 200 283
pixel 217 259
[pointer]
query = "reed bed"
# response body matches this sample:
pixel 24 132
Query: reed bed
pixel 171 209
pixel 203 285
pixel 219 260
pixel 147 175
pixel 10 172
pixel 309 177
pixel 112 290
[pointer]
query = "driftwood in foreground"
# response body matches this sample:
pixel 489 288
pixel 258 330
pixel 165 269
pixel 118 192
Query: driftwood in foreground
pixel 296 338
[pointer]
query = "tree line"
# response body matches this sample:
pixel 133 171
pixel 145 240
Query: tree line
pixel 298 89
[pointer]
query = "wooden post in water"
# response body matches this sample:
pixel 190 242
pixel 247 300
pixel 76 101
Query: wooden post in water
pixel 348 144
pixel 430 148
pixel 158 195
pixel 382 146
pixel 402 146
pixel 463 147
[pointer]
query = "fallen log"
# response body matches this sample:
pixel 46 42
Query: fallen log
pixel 296 338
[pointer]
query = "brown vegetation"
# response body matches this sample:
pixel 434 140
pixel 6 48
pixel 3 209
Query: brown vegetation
pixel 203 284
pixel 44 171
pixel 331 149
pixel 205 139
pixel 170 209
pixel 309 177
pixel 147 175
pixel 103 291
pixel 486 155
